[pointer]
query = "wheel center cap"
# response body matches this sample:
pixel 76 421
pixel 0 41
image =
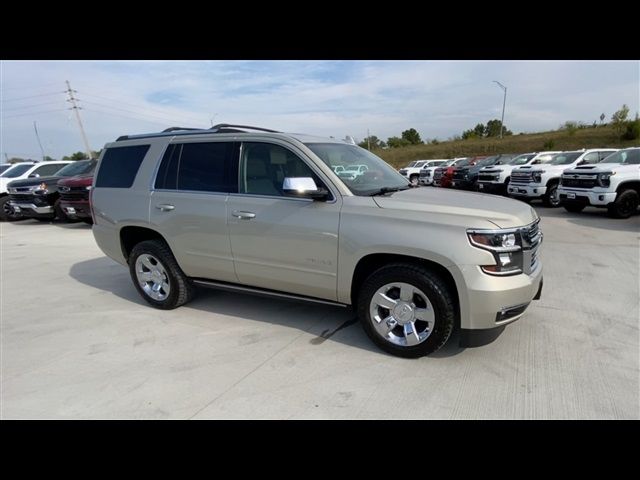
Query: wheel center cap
pixel 157 276
pixel 403 313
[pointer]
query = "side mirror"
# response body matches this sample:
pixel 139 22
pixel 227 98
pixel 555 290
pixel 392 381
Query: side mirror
pixel 582 162
pixel 535 162
pixel 33 175
pixel 303 187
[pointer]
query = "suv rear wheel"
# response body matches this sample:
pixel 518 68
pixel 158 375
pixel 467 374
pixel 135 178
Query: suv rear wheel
pixel 625 204
pixel 406 310
pixel 158 277
pixel 414 179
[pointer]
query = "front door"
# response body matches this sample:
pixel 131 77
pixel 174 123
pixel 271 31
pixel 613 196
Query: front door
pixel 279 242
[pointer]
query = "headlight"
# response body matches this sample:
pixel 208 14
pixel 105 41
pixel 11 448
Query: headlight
pixel 537 176
pixel 88 187
pixel 506 247
pixel 604 178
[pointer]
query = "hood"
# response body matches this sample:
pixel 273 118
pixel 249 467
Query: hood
pixel 77 181
pixel 601 167
pixel 474 210
pixel 28 182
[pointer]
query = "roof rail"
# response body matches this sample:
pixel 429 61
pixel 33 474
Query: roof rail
pixel 220 126
pixel 173 129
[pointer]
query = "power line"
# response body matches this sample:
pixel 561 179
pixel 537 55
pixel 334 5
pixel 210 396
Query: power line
pixel 30 106
pixel 164 119
pixel 95 110
pixel 30 96
pixel 34 113
pixel 144 107
pixel 46 85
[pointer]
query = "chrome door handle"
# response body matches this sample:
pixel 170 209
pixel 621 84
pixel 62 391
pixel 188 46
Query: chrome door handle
pixel 243 215
pixel 165 207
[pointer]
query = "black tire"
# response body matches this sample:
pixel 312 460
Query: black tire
pixel 43 219
pixel 87 220
pixel 625 204
pixel 6 212
pixel 414 179
pixel 573 207
pixel 550 199
pixel 182 289
pixel 433 287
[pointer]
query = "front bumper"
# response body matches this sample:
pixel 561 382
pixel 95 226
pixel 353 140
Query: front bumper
pixel 491 186
pixel 589 197
pixel 426 180
pixel 80 209
pixel 29 208
pixel 530 190
pixel 464 184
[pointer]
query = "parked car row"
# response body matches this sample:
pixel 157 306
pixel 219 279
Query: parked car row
pixel 47 190
pixel 600 177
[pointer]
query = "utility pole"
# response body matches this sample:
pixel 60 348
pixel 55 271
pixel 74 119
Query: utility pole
pixel 369 139
pixel 76 109
pixel 504 101
pixel 39 142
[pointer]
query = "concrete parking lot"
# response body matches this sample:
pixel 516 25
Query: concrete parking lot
pixel 78 342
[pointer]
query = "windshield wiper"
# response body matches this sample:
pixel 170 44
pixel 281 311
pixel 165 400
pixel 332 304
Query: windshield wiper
pixel 385 190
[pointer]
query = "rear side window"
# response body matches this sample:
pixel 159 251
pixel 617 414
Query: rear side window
pixel 201 167
pixel 120 165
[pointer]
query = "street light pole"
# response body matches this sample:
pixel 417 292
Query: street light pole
pixel 504 101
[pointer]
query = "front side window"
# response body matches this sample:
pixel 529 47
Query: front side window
pixel 521 159
pixel 208 167
pixel 377 175
pixel 264 167
pixel 625 157
pixel 591 157
pixel 565 158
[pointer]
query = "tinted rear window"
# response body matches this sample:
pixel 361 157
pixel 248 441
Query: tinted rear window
pixel 202 167
pixel 120 165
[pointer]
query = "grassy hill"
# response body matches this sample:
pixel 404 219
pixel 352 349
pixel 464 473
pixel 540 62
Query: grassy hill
pixel 529 142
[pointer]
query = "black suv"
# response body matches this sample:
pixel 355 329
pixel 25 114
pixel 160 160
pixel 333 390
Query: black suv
pixel 467 177
pixel 39 197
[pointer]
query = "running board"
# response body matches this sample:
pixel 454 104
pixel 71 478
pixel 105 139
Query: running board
pixel 263 292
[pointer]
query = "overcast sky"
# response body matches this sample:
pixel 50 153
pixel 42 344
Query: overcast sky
pixel 337 98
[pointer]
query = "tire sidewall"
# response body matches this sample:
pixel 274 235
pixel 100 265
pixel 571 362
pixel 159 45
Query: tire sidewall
pixel 3 216
pixel 152 248
pixel 624 196
pixel 445 317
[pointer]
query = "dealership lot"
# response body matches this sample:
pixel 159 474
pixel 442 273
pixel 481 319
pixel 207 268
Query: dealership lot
pixel 79 342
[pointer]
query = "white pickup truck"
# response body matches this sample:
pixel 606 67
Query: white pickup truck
pixel 412 171
pixel 531 182
pixel 495 178
pixel 613 184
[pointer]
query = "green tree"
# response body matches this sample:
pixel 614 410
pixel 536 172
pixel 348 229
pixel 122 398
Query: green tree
pixel 632 131
pixel 467 134
pixel 373 140
pixel 396 142
pixel 493 129
pixel 619 120
pixel 479 130
pixel 47 158
pixel 412 136
pixel 76 156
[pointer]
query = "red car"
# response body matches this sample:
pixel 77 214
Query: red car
pixel 74 197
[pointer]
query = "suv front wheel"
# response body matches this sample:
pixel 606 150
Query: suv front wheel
pixel 406 310
pixel 158 277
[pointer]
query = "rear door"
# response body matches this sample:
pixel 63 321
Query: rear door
pixel 188 205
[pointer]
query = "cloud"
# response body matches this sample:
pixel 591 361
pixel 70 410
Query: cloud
pixel 336 98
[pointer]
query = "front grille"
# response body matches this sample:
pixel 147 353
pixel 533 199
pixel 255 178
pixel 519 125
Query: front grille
pixel 579 181
pixel 521 177
pixel 425 174
pixel 75 195
pixel 531 240
pixel 488 177
pixel 22 197
pixel 459 174
pixel 437 175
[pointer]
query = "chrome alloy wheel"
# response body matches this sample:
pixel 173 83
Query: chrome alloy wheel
pixel 152 277
pixel 402 314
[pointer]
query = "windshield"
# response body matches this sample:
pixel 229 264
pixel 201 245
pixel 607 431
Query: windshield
pixel 16 171
pixel 565 158
pixel 462 163
pixel 412 164
pixel 77 168
pixel 376 174
pixel 521 159
pixel 487 161
pixel 624 157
